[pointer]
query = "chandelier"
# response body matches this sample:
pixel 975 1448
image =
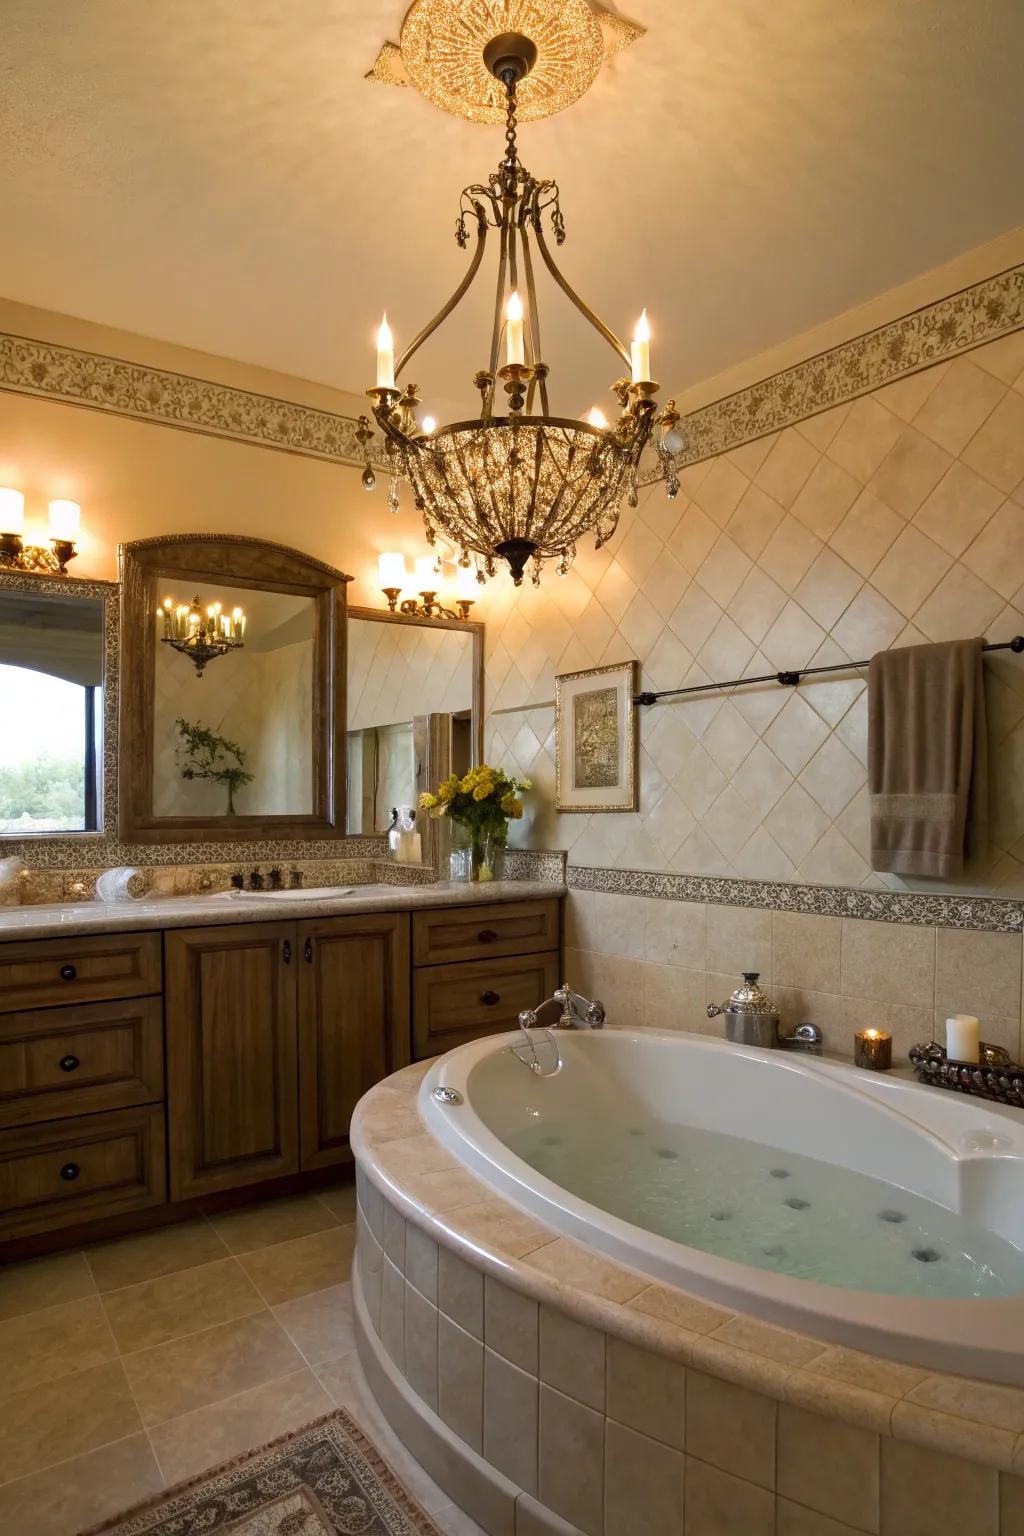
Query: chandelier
pixel 517 483
pixel 201 634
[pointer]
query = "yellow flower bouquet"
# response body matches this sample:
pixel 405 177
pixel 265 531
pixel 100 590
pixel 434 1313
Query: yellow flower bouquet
pixel 483 801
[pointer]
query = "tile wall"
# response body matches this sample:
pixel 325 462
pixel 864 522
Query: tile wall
pixel 659 963
pixel 892 520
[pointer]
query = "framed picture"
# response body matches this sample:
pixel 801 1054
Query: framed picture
pixel 595 739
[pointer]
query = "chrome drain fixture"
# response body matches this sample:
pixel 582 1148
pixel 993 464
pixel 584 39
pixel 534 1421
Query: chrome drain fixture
pixel 447 1095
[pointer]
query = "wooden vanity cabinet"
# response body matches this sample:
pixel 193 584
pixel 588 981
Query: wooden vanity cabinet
pixel 274 1032
pixel 232 1110
pixel 353 1022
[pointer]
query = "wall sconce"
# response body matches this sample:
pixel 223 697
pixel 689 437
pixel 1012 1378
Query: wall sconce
pixel 201 635
pixel 16 555
pixel 394 577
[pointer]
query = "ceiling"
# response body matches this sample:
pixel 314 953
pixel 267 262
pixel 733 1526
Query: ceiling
pixel 219 174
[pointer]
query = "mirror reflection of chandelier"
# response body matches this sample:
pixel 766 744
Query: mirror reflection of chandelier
pixel 516 483
pixel 201 633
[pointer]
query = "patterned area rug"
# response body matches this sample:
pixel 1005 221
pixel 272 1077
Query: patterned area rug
pixel 326 1480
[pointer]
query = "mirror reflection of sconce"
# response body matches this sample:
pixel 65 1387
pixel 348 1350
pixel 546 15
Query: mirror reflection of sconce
pixel 394 578
pixel 64 529
pixel 201 634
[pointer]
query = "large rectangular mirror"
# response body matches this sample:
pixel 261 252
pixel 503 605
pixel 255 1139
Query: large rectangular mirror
pixel 415 688
pixel 233 691
pixel 53 664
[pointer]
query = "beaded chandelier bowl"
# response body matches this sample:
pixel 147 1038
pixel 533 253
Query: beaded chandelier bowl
pixel 523 486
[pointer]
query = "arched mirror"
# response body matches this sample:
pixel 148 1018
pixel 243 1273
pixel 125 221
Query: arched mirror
pixel 232 713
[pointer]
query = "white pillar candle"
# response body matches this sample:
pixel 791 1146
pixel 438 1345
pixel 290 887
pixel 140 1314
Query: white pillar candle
pixel 640 352
pixel 962 1031
pixel 516 347
pixel 385 356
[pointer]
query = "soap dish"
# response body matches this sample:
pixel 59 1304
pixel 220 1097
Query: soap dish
pixel 994 1076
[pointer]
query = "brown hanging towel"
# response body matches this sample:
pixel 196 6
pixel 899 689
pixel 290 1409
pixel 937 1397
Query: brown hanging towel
pixel 927 758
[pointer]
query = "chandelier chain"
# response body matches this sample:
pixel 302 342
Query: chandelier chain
pixel 511 124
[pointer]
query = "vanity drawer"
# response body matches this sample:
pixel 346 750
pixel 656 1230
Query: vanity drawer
pixel 77 1170
pixel 43 973
pixel 454 1003
pixel 76 1061
pixel 473 933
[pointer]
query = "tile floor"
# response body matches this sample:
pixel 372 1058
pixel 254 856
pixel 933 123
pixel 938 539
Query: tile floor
pixel 130 1366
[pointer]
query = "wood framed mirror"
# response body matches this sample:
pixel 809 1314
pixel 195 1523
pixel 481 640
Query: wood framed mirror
pixel 250 744
pixel 415 710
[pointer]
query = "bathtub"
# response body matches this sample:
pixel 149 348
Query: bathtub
pixel 639 1114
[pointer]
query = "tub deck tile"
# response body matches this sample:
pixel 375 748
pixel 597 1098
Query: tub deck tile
pixel 958 1437
pixel 1000 1407
pixel 841 1400
pixel 586 1270
pixel 764 1339
pixel 680 1309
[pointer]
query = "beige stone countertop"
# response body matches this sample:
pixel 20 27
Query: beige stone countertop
pixel 406 1164
pixel 57 919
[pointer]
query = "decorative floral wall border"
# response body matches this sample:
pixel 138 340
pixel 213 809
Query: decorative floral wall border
pixel 986 913
pixel 167 399
pixel 926 336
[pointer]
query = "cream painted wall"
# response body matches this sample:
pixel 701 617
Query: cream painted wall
pixel 136 480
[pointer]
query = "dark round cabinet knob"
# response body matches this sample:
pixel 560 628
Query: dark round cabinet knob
pixel 486 936
pixel 490 998
pixel 69 1063
pixel 70 1171
pixel 68 973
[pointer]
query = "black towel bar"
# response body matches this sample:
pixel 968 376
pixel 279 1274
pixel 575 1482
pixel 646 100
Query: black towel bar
pixel 791 679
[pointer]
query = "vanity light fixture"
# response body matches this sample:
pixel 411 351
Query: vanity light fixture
pixel 201 633
pixel 16 555
pixel 394 577
pixel 517 483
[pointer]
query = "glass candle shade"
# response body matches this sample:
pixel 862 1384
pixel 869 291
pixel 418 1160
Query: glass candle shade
pixel 872 1050
pixel 65 521
pixel 12 511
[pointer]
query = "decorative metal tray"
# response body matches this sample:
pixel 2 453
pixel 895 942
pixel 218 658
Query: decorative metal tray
pixel 994 1076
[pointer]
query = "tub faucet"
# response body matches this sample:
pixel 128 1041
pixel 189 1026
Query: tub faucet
pixel 565 1010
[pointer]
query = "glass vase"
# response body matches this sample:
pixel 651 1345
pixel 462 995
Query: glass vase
pixel 476 856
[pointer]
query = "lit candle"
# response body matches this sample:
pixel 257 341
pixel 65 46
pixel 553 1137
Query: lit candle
pixel 12 511
pixel 385 356
pixel 641 351
pixel 393 573
pixel 598 419
pixel 466 583
pixel 516 349
pixel 238 623
pixel 962 1031
pixel 429 424
pixel 65 520
pixel 872 1049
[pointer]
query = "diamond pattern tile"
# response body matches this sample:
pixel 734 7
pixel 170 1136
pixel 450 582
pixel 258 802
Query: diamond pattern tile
pixel 894 520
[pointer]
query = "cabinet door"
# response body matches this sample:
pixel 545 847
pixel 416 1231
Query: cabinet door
pixel 353 1022
pixel 232 1098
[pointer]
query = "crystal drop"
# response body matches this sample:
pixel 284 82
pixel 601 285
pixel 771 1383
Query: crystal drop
pixel 369 479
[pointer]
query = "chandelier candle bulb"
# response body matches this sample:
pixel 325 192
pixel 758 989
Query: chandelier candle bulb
pixel 385 356
pixel 598 419
pixel 962 1037
pixel 429 424
pixel 640 351
pixel 514 340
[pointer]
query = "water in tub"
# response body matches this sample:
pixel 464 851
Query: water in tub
pixel 779 1211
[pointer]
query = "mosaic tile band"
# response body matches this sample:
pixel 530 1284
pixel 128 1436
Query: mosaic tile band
pixel 984 913
pixel 928 335
pixel 29 367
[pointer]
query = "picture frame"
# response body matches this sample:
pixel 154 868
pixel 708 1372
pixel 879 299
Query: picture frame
pixel 596 739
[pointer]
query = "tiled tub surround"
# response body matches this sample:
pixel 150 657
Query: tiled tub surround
pixel 549 1390
pixel 659 962
pixel 895 519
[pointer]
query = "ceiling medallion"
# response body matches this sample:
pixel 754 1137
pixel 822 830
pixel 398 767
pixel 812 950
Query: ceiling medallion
pixel 441 53
pixel 523 486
